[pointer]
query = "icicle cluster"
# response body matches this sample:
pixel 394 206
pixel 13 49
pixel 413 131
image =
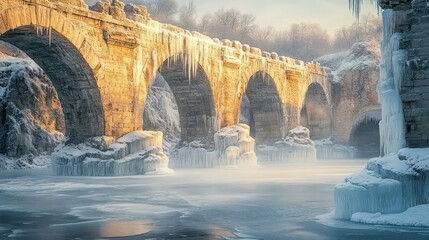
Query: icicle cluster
pixel 392 127
pixel 356 5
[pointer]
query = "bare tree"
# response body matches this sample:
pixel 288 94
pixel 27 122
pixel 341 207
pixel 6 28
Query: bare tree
pixel 204 24
pixel 187 16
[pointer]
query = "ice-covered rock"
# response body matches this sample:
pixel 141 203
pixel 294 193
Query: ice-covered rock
pixel 390 184
pixel 233 147
pixel 161 113
pixel 31 117
pixel 327 149
pixel 136 153
pixel 296 147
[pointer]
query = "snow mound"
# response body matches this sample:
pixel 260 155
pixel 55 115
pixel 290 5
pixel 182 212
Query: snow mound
pixel 413 217
pixel 327 149
pixel 233 147
pixel 295 147
pixel 136 153
pixel 390 184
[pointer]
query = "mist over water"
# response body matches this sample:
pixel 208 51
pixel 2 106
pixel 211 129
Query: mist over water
pixel 268 202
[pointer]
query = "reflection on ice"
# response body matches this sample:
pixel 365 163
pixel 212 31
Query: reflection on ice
pixel 124 228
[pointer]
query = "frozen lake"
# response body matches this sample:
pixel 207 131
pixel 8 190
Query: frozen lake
pixel 264 203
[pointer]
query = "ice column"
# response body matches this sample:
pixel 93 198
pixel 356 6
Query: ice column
pixel 392 127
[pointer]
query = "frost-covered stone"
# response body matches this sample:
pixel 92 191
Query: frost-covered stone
pixel 296 147
pixel 136 153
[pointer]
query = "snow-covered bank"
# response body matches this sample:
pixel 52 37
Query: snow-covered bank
pixel 296 147
pixel 136 153
pixel 390 184
pixel 233 147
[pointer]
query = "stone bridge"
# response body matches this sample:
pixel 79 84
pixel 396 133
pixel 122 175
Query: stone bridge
pixel 102 62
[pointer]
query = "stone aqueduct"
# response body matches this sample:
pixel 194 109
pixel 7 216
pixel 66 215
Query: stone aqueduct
pixel 102 65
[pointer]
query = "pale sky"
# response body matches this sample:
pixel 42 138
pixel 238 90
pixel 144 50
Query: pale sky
pixel 330 14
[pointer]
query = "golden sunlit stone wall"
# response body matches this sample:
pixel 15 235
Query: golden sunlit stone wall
pixel 124 55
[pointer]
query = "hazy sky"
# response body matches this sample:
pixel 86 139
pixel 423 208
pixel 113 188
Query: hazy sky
pixel 331 14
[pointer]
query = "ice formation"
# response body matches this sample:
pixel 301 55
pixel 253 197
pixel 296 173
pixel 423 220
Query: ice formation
pixel 390 184
pixel 327 149
pixel 136 153
pixel 296 147
pixel 233 147
pixel 391 75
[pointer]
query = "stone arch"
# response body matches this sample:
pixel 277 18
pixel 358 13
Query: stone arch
pixel 67 58
pixel 365 133
pixel 267 116
pixel 316 112
pixel 194 97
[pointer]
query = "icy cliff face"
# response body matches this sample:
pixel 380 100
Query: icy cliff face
pixel 161 113
pixel 31 117
pixel 296 147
